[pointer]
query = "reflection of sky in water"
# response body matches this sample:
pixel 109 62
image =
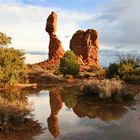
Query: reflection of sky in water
pixel 73 128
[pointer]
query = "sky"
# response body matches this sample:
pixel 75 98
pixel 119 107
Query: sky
pixel 117 22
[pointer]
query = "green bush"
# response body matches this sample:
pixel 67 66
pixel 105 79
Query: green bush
pixel 112 70
pixel 4 40
pixel 130 59
pixel 69 64
pixel 12 67
pixel 127 68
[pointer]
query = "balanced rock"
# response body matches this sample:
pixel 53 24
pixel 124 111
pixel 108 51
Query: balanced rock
pixel 51 23
pixel 85 46
pixel 56 50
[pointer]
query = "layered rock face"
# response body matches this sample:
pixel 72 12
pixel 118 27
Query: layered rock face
pixel 85 46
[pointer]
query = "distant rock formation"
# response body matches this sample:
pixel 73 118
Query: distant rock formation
pixel 85 46
pixel 55 46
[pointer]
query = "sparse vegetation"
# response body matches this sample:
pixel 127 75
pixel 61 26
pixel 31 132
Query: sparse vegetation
pixel 107 89
pixel 69 64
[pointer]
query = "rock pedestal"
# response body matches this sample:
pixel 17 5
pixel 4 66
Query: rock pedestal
pixel 56 51
pixel 55 46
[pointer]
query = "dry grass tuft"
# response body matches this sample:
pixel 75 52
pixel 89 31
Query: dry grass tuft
pixel 106 89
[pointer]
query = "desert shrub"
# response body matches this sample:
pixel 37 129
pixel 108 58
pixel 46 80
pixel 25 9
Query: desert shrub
pixel 69 64
pixel 4 40
pixel 107 89
pixel 12 67
pixel 128 96
pixel 127 68
pixel 112 70
pixel 13 94
pixel 136 71
pixel 134 79
pixel 90 90
pixel 130 59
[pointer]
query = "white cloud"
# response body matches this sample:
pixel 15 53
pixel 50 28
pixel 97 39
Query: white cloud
pixel 26 26
pixel 117 22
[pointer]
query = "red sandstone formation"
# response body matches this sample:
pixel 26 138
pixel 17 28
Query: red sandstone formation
pixel 85 45
pixel 55 47
pixel 51 23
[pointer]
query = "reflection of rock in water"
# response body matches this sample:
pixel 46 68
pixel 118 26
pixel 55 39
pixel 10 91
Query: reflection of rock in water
pixel 53 125
pixel 56 105
pixel 103 112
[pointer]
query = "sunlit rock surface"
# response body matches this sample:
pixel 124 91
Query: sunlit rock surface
pixel 56 50
pixel 85 46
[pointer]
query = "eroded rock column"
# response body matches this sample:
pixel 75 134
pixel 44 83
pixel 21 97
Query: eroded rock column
pixel 56 50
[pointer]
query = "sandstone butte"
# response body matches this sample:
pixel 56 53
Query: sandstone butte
pixel 83 43
pixel 85 46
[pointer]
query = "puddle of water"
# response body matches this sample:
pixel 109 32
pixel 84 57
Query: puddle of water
pixel 63 115
pixel 66 117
